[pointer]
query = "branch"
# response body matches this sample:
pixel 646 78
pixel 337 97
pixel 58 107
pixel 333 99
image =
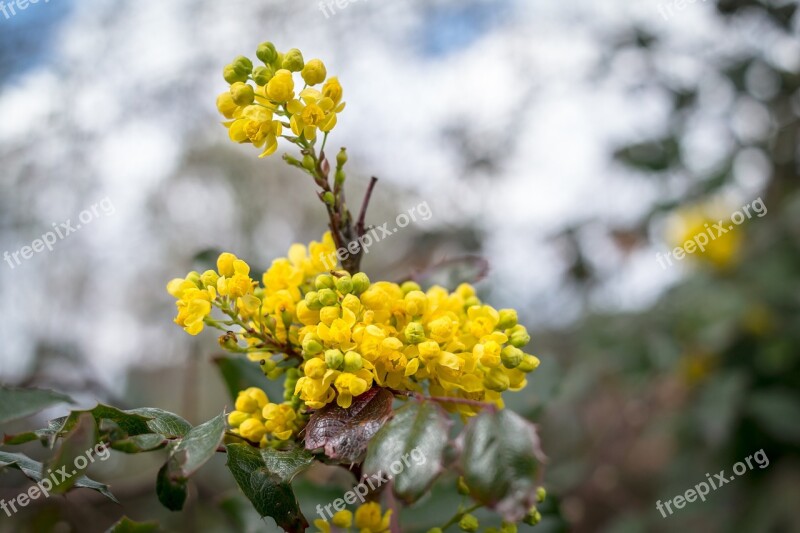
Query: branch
pixel 365 204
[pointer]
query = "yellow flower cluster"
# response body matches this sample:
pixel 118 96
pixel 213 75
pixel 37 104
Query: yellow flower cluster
pixel 357 334
pixel 254 111
pixel 688 224
pixel 256 419
pixel 345 334
pixel 368 518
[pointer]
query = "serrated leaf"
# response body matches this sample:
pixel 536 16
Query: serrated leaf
pixel 79 442
pixel 126 525
pixel 130 423
pixel 415 438
pixel 163 422
pixel 198 446
pixel 33 470
pixel 18 403
pixel 265 477
pixel 343 434
pixel 239 373
pixel 500 461
pixel 46 435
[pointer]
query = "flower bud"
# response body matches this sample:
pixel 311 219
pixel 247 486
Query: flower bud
pixel 315 368
pixel 266 52
pixel 472 301
pixel 341 157
pixel 519 336
pixel 194 277
pixel 312 300
pixel 267 365
pixel 229 342
pixel 469 523
pixel 226 105
pixel 508 319
pixel 462 487
pixel 209 278
pixel 242 65
pixel 541 494
pixel 344 285
pixel 281 87
pixel 252 429
pixel 324 281
pixel 311 346
pixel 327 297
pixel 242 94
pixel 508 527
pixel 232 75
pixel 360 283
pixel 308 162
pixel 334 359
pixel 408 286
pixel 529 363
pixel 262 75
pixel 533 517
pixel 414 333
pixel 496 380
pixel 275 374
pixel 237 417
pixel 314 72
pixel 329 198
pixel 339 176
pixel 511 357
pixel 293 60
pixel 435 530
pixel 352 362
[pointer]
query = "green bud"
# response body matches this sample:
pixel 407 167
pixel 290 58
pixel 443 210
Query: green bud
pixel 472 300
pixel 334 359
pixel 529 363
pixel 533 517
pixel 511 357
pixel 308 162
pixel 328 198
pixel 462 487
pixel 262 75
pixel 409 286
pixel 327 297
pixel 293 60
pixel 360 283
pixel 341 157
pixel 229 342
pixel 414 333
pixel 242 65
pixel 344 285
pixel 292 161
pixel 266 52
pixel 242 94
pixel 435 530
pixel 268 365
pixel 195 278
pixel 339 177
pixel 293 373
pixel 271 323
pixel 312 300
pixel 508 319
pixel 231 75
pixel 468 523
pixel 324 281
pixel 496 380
pixel 352 362
pixel 508 527
pixel 519 336
pixel 541 494
pixel 311 347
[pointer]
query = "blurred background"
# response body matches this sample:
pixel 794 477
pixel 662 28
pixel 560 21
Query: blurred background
pixel 567 143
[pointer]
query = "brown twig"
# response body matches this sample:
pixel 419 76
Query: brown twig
pixel 364 205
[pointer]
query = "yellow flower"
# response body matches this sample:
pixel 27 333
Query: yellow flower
pixel 235 281
pixel 350 385
pixel 280 88
pixel 252 429
pixel 314 72
pixel 312 111
pixel 369 520
pixel 193 304
pixel 280 420
pixel 226 105
pixel 343 518
pixel 255 125
pixel 333 90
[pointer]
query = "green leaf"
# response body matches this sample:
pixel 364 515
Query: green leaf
pixel 500 462
pixel 777 411
pixel 130 423
pixel 163 422
pixel 33 470
pixel 343 434
pixel 171 491
pixel 265 477
pixel 79 442
pixel 46 435
pixel 415 439
pixel 126 525
pixel 18 403
pixel 140 443
pixel 186 456
pixel 239 373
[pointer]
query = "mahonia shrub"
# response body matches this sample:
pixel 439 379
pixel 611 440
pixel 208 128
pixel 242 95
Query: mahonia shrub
pixel 371 370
